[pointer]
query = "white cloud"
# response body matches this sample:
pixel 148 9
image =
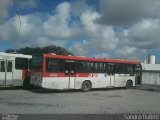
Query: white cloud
pixel 126 12
pixel 80 32
pixel 57 25
pixel 55 29
pixel 8 31
pixel 144 34
pixel 4 6
pixel 100 37
pixel 37 31
pixel 102 55
pixel 26 3
pixel 80 48
pixel 129 52
pixel 78 7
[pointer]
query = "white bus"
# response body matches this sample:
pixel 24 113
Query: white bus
pixel 14 69
pixel 73 72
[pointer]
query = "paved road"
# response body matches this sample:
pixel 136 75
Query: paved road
pixel 101 101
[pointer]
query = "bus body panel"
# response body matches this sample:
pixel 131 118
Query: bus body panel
pixel 101 81
pixel 121 80
pixel 65 82
pixel 5 72
pixel 70 77
pixel 98 81
pixel 10 76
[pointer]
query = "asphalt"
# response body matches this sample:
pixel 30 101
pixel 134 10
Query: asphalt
pixel 149 87
pixel 38 104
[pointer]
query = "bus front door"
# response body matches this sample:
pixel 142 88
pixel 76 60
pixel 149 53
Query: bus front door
pixel 70 73
pixel 5 72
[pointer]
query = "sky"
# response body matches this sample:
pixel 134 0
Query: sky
pixel 128 29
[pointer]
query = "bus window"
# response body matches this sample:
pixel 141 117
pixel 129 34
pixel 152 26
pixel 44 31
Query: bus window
pixel 9 66
pixel 130 69
pixel 21 63
pixel 85 66
pixel 54 65
pixel 118 68
pixel 99 67
pixel 2 66
pixel 124 68
pixel 111 68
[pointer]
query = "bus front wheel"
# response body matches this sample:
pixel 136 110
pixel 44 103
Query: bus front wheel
pixel 129 84
pixel 86 86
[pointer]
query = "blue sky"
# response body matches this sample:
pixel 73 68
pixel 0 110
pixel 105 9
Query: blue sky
pixel 99 28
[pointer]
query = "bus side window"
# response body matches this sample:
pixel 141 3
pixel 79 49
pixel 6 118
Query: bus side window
pixel 111 69
pixel 21 63
pixel 105 67
pixel 118 68
pixel 2 66
pixel 130 69
pixel 54 65
pixel 9 66
pixel 85 66
pixel 99 67
pixel 79 66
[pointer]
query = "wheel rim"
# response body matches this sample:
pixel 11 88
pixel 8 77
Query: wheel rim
pixel 129 84
pixel 86 86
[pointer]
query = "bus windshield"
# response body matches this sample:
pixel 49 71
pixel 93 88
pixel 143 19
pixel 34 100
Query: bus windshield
pixel 36 62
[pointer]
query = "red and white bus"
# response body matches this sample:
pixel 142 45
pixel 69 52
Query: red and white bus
pixel 14 69
pixel 73 72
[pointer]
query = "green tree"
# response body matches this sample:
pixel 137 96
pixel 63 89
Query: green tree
pixel 48 49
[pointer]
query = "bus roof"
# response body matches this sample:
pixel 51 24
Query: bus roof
pixel 91 59
pixel 14 55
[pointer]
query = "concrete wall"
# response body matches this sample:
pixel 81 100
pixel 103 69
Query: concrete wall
pixel 150 67
pixel 151 74
pixel 151 77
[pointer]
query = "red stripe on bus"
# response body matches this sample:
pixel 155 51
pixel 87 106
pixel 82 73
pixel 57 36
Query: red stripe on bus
pixel 92 59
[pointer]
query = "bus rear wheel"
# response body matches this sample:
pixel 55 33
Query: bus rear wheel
pixel 86 86
pixel 129 84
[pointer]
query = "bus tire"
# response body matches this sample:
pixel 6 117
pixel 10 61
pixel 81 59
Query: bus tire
pixel 129 84
pixel 86 86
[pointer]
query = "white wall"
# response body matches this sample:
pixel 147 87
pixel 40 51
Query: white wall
pixel 151 77
pixel 151 67
pixel 151 74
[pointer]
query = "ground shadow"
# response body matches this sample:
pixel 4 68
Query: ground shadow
pixel 40 90
pixel 43 90
pixel 9 88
